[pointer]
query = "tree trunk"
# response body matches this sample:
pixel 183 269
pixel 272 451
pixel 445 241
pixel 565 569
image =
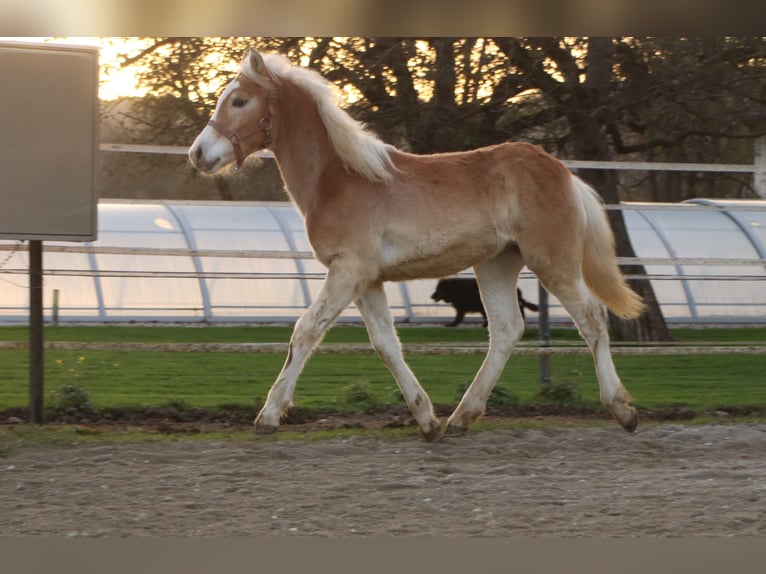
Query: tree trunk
pixel 587 121
pixel 651 325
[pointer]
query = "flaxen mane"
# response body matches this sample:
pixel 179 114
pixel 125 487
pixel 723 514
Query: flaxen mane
pixel 359 149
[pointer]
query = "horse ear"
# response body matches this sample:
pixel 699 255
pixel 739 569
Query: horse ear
pixel 256 61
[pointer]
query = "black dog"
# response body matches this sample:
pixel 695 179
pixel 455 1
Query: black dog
pixel 463 294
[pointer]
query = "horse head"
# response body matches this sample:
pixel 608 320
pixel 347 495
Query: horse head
pixel 241 123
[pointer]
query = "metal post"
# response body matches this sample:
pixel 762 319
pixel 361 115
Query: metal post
pixel 544 334
pixel 36 368
pixel 55 307
pixel 759 177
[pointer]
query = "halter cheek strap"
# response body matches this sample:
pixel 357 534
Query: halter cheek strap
pixel 264 125
pixel 237 136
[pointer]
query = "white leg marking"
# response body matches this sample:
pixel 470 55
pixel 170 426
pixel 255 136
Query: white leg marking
pixel 373 306
pixel 338 290
pixel 591 319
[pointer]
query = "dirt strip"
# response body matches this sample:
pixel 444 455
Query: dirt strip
pixel 667 480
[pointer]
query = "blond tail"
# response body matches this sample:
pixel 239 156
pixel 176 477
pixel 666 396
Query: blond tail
pixel 599 264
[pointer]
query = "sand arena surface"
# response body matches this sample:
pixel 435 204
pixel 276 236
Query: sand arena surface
pixel 666 480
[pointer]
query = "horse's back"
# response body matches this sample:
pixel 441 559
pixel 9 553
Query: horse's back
pixel 446 212
pixel 489 181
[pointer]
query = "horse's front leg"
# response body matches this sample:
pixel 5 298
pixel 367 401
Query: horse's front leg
pixel 338 290
pixel 373 306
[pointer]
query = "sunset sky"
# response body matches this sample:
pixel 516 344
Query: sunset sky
pixel 114 83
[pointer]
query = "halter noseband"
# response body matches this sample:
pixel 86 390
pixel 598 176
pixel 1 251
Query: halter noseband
pixel 248 130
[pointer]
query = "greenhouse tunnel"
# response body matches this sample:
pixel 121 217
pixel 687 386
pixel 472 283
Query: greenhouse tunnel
pixel 224 262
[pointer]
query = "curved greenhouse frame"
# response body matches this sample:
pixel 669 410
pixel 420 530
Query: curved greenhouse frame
pixel 218 262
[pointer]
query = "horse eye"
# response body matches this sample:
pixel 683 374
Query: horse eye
pixel 239 102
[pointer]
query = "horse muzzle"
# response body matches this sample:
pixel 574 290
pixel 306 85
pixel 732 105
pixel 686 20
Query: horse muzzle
pixel 200 160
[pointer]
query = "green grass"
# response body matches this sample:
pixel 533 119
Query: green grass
pixel 141 379
pixel 114 379
pixel 242 334
pixel 338 334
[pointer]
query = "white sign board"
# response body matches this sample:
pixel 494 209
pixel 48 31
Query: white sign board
pixel 49 115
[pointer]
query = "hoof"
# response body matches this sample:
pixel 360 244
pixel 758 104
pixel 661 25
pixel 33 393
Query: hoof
pixel 263 430
pixel 455 430
pixel 434 434
pixel 628 420
pixel 632 423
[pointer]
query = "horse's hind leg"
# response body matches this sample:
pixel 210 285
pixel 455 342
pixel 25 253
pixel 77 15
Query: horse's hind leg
pixel 497 283
pixel 373 306
pixel 591 319
pixel 338 290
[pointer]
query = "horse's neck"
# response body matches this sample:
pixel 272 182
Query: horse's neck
pixel 301 147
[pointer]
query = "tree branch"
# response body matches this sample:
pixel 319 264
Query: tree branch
pixel 534 74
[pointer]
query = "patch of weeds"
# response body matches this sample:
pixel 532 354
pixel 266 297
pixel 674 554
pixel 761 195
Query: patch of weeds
pixel 177 404
pixel 394 395
pixel 563 389
pixel 71 399
pixel 359 396
pixel 501 395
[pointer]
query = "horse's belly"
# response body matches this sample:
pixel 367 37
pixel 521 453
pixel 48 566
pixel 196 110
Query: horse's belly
pixel 428 261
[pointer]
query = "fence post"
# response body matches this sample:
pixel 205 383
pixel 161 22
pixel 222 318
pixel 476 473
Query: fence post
pixel 36 363
pixel 759 176
pixel 55 307
pixel 544 334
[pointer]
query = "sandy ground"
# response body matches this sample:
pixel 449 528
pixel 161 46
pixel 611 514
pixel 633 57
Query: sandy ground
pixel 666 480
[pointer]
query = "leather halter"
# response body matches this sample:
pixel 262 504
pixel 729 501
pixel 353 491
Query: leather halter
pixel 264 125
